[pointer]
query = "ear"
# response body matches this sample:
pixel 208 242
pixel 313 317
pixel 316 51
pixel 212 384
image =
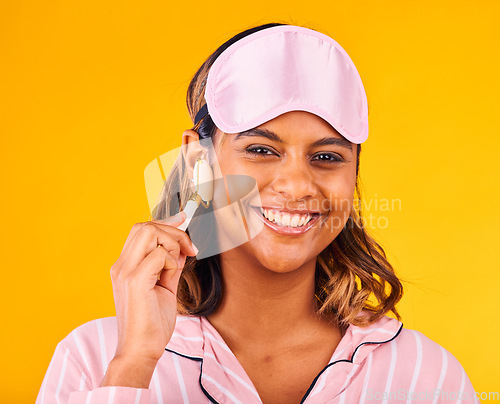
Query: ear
pixel 191 149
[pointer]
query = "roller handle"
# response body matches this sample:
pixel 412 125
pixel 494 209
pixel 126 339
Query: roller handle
pixel 190 210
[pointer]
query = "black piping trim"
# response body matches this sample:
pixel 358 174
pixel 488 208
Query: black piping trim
pixel 345 360
pixel 196 358
pixel 212 400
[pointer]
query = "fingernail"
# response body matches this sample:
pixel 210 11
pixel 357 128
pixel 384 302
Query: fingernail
pixel 194 248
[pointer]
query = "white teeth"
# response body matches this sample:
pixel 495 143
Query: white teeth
pixel 285 219
pixel 295 220
pixel 277 218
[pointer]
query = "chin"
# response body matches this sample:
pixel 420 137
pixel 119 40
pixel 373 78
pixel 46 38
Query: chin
pixel 277 260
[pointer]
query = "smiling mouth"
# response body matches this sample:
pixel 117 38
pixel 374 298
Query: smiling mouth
pixel 284 223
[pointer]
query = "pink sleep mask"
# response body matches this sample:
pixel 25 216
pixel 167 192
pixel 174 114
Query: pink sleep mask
pixel 281 69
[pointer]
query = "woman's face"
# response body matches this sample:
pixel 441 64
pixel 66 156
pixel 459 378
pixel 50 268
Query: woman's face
pixel 304 170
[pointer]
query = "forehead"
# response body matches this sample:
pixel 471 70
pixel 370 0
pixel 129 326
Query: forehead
pixel 293 128
pixel 301 123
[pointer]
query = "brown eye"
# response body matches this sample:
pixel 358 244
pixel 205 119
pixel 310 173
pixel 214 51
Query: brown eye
pixel 330 158
pixel 258 150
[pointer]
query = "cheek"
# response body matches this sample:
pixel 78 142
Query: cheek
pixel 230 216
pixel 339 194
pixel 339 189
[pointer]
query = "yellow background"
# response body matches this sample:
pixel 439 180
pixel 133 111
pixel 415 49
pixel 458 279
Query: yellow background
pixel 92 91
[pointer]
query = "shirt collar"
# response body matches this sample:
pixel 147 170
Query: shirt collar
pixel 191 331
pixel 221 373
pixel 358 342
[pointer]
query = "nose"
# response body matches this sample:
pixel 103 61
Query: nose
pixel 293 179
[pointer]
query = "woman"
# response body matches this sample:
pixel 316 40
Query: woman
pixel 297 312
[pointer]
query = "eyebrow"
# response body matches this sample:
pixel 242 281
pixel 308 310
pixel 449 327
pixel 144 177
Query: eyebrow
pixel 336 141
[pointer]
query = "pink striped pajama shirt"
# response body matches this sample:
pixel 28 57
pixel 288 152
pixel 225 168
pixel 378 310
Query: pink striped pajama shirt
pixel 380 363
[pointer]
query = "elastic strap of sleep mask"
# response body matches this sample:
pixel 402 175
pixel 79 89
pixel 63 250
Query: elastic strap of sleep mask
pixel 201 114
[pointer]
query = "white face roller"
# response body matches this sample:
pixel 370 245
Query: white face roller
pixel 204 190
pixel 225 222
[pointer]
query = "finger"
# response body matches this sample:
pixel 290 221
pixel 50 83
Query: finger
pixel 175 220
pixel 131 235
pixel 156 261
pixel 150 237
pixel 170 280
pixel 186 245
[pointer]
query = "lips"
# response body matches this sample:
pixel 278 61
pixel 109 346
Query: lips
pixel 287 230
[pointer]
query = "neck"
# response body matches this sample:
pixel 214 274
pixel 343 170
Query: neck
pixel 267 308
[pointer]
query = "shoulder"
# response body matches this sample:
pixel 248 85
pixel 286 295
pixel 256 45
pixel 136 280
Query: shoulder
pixel 92 344
pixel 424 350
pixel 97 339
pixel 420 360
pixel 403 342
pixel 410 340
pixel 94 332
pixel 86 351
